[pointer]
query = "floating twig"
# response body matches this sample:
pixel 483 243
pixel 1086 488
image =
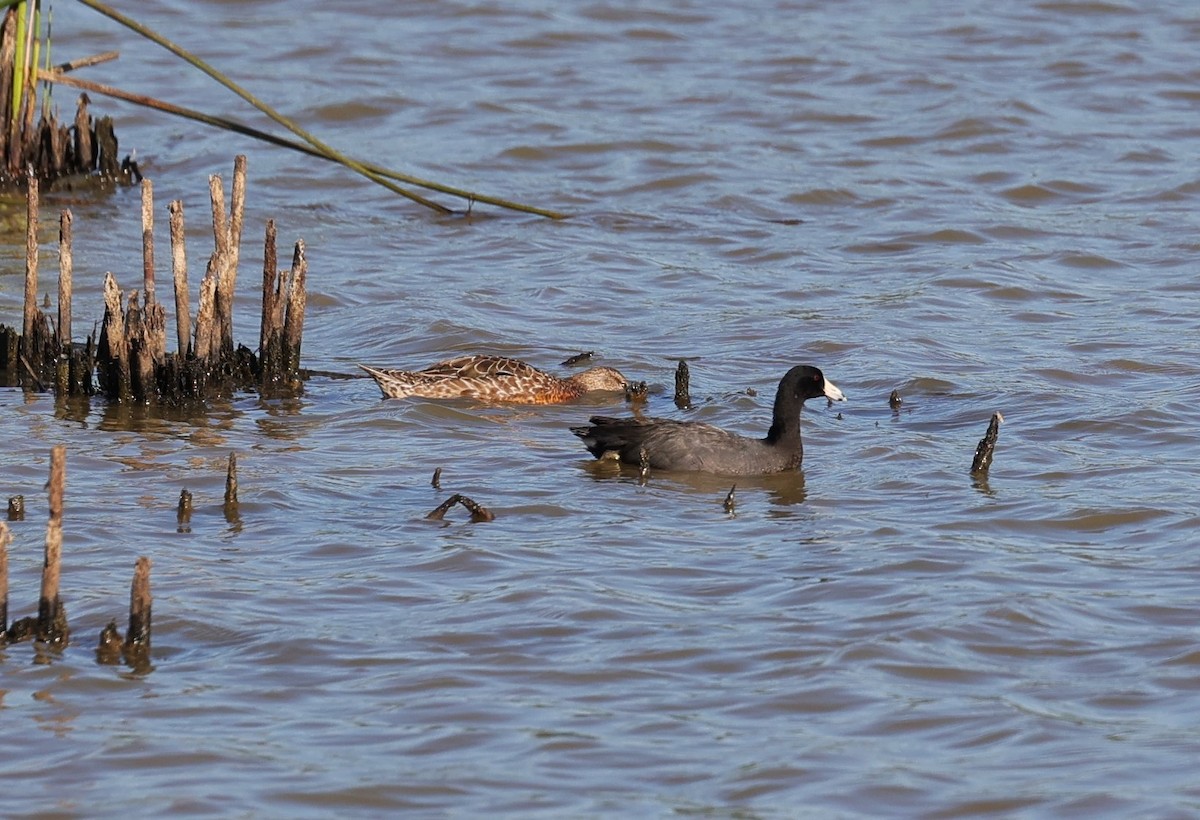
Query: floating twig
pixel 643 465
pixel 730 503
pixel 437 479
pixel 478 512
pixel 683 398
pixel 986 447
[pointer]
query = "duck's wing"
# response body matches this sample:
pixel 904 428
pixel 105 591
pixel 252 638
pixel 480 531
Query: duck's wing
pixel 481 367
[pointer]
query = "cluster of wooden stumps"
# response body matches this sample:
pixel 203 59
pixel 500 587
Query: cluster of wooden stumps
pixel 83 151
pixel 49 626
pixel 129 361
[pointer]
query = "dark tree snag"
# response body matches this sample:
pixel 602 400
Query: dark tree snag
pixel 479 513
pixel 683 398
pixel 986 447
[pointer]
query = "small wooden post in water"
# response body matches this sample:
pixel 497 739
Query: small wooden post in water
pixel 5 539
pixel 66 265
pixel 986 448
pixel 231 484
pixel 31 271
pixel 148 239
pixel 183 316
pixel 683 398
pixel 138 636
pixel 52 617
pixel 293 324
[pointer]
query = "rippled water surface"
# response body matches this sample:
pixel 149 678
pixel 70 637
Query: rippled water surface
pixel 984 206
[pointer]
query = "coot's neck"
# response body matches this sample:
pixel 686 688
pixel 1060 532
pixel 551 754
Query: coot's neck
pixel 785 421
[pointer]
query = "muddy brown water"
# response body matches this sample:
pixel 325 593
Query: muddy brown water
pixel 988 207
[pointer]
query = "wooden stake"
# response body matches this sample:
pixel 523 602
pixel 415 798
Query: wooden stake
pixel 207 345
pixel 51 621
pixel 986 447
pixel 138 636
pixel 183 316
pixel 231 483
pixel 31 266
pixel 148 240
pixel 293 323
pixel 270 334
pixel 66 264
pixel 117 353
pixel 5 540
pixel 683 398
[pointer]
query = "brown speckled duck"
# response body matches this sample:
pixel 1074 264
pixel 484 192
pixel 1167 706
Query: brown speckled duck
pixel 493 379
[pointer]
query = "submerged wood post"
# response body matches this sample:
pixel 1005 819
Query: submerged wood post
pixel 52 619
pixel 31 270
pixel 231 484
pixel 207 345
pixel 138 636
pixel 986 447
pixel 183 316
pixel 270 331
pixel 66 264
pixel 293 323
pixel 5 539
pixel 683 398
pixel 114 347
pixel 148 239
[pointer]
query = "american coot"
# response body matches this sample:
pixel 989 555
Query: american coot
pixel 690 445
pixel 493 378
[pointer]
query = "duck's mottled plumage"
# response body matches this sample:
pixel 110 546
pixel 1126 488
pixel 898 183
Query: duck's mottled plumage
pixel 493 379
pixel 695 446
